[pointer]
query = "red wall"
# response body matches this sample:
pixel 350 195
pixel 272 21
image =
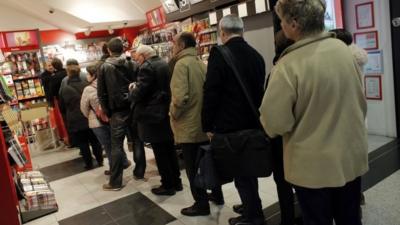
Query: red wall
pixel 339 14
pixel 8 196
pixel 55 36
pixel 59 36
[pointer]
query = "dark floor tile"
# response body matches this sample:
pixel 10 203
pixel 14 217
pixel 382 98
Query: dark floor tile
pixel 137 209
pixel 96 216
pixel 273 214
pixel 64 169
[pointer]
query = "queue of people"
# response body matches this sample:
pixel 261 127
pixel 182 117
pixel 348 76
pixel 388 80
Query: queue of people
pixel 311 108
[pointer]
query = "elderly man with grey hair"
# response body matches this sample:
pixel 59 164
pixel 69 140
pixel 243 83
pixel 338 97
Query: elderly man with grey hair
pixel 226 110
pixel 315 101
pixel 151 96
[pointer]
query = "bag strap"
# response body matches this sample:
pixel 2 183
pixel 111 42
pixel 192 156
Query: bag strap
pixel 123 72
pixel 229 59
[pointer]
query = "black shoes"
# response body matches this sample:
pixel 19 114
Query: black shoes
pixel 238 209
pixel 108 187
pixel 240 220
pixel 196 210
pixel 163 191
pixel 215 200
pixel 88 167
pixel 139 178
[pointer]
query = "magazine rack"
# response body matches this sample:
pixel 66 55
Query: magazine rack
pixel 8 197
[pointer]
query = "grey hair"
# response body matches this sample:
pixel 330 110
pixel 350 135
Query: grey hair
pixel 309 14
pixel 146 51
pixel 232 24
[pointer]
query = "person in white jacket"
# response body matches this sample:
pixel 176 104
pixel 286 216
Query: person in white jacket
pixel 89 105
pixel 359 54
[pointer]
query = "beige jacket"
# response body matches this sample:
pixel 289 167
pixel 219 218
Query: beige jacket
pixel 187 97
pixel 315 101
pixel 89 102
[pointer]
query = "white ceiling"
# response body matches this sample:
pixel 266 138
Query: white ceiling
pixel 73 15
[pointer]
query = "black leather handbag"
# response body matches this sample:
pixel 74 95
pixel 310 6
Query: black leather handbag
pixel 206 176
pixel 245 152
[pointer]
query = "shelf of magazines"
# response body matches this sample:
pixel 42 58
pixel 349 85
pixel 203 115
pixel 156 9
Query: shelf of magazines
pixel 38 197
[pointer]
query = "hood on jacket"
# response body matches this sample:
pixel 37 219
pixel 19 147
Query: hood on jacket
pixel 185 52
pixel 117 61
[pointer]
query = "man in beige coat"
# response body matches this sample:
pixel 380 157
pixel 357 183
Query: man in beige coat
pixel 187 81
pixel 315 101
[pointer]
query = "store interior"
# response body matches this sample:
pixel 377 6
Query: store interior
pixel 33 32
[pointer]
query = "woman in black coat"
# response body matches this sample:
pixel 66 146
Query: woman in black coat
pixel 151 96
pixel 77 123
pixel 45 77
pixel 56 79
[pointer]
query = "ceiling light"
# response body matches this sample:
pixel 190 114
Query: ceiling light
pixel 88 31
pixel 110 30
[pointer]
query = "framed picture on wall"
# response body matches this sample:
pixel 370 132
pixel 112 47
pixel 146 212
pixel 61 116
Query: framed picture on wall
pixel 365 17
pixel 373 87
pixel 367 40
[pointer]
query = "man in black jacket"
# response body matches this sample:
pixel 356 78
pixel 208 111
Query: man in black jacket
pixel 225 108
pixel 114 77
pixel 151 95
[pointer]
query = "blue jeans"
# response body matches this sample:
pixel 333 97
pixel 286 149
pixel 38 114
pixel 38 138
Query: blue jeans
pixel 103 134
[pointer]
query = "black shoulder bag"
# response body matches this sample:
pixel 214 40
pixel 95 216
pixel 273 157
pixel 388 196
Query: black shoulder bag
pixel 244 152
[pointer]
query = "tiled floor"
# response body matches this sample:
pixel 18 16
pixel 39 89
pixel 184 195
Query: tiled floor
pixel 376 141
pixel 383 202
pixel 80 192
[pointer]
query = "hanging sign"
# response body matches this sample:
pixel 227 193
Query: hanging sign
pixel 373 87
pixel 184 5
pixel 156 17
pixel 170 6
pixel 374 64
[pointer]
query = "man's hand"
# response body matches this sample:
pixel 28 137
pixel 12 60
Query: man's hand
pixel 210 135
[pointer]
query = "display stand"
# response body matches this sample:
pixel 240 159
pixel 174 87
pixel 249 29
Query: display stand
pixel 38 198
pixel 8 197
pixel 21 67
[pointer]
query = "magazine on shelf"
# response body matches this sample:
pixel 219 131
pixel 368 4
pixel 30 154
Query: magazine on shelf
pixel 16 153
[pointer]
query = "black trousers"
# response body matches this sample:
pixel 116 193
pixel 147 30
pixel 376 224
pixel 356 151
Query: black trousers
pixel 190 152
pixel 139 155
pixel 119 123
pixel 167 164
pixel 322 206
pixel 82 139
pixel 248 192
pixel 284 189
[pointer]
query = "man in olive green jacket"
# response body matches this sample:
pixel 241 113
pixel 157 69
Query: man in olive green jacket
pixel 189 74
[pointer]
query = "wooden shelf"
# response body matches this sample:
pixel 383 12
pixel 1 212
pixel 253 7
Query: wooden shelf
pixel 208 43
pixel 209 30
pixel 30 98
pixel 25 78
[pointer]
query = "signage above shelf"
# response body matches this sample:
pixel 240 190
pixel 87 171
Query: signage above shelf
pixel 241 8
pixel 14 41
